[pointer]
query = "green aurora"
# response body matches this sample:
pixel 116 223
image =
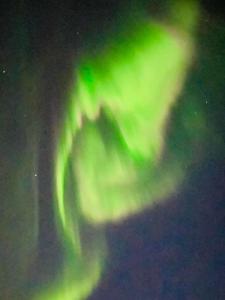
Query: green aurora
pixel 109 159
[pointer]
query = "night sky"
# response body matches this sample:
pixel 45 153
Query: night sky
pixel 175 250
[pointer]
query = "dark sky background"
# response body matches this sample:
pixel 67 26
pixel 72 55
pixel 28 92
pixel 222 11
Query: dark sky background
pixel 173 251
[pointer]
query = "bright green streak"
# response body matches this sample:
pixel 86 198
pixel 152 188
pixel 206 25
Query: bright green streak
pixel 134 82
pixel 112 141
pixel 135 92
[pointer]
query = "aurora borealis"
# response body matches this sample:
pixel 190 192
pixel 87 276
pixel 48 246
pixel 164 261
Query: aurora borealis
pixel 112 139
pixel 107 129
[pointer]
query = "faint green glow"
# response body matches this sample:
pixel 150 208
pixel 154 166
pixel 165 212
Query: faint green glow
pixel 77 280
pixel 109 156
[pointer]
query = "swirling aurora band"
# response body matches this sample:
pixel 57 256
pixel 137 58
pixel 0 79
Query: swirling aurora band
pixel 111 143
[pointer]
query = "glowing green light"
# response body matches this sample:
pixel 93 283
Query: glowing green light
pixel 134 93
pixel 108 159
